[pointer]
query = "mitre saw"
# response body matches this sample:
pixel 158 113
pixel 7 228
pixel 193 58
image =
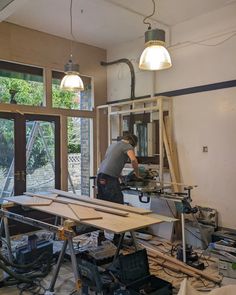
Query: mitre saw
pixel 147 180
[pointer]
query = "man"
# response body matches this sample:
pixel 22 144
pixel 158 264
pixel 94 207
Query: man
pixel 116 156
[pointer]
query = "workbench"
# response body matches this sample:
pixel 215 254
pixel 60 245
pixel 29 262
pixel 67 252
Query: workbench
pixel 104 215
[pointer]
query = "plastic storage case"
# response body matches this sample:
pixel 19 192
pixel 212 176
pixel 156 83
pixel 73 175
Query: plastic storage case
pixel 134 273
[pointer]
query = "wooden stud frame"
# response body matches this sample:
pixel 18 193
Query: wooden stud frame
pixel 150 105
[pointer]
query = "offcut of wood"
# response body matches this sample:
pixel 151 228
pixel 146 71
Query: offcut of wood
pixel 84 213
pixel 29 201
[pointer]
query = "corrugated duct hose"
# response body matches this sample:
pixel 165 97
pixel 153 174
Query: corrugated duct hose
pixel 15 278
pixel 132 85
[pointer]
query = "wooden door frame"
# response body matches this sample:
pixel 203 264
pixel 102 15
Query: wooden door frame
pixel 20 145
pixel 56 120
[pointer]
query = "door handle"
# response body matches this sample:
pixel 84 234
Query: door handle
pixel 17 175
pixel 20 175
pixel 23 175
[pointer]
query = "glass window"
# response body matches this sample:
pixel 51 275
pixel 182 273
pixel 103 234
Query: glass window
pixel 21 84
pixel 79 155
pixel 69 100
pixel 6 157
pixel 40 156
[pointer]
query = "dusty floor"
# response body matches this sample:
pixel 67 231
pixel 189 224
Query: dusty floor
pixel 65 282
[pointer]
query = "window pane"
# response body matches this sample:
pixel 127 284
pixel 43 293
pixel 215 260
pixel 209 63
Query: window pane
pixel 79 155
pixel 6 157
pixel 40 156
pixel 20 84
pixel 69 100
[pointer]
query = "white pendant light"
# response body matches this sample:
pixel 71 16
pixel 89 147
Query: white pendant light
pixel 71 81
pixel 155 56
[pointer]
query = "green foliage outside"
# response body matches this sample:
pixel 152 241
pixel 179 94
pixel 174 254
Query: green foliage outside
pixel 28 92
pixel 74 148
pixel 6 143
pixel 63 99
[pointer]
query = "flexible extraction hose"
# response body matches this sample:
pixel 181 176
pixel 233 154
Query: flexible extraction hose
pixel 22 278
pixel 26 266
pixel 132 73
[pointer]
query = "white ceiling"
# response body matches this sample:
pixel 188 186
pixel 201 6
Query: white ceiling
pixel 104 23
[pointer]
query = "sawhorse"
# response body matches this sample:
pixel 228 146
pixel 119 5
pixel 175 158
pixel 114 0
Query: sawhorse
pixel 64 232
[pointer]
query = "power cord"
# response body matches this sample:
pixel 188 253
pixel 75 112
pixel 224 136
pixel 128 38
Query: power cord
pixel 34 288
pixel 29 280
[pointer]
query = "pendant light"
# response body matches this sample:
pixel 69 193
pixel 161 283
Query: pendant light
pixel 155 56
pixel 72 80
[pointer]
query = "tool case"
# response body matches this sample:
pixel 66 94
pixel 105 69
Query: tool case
pixel 135 275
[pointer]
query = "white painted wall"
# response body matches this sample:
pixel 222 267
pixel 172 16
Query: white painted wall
pixel 207 118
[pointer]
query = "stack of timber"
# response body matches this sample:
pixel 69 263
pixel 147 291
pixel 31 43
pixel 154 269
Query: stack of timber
pixel 165 266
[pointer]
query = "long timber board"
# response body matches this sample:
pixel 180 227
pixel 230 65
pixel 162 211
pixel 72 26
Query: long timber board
pixel 102 202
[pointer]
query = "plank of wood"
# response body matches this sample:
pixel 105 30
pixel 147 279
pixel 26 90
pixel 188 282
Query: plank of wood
pixel 44 195
pixel 110 222
pixel 59 209
pixel 29 201
pixel 173 267
pixel 162 217
pixel 118 224
pixel 102 202
pixel 84 213
pixel 65 200
pixel 62 210
pixel 168 258
pixel 170 161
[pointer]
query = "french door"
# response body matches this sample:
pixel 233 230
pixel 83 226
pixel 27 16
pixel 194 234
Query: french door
pixel 29 153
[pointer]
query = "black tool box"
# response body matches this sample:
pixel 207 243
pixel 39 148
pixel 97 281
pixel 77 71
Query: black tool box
pixel 25 254
pixel 134 274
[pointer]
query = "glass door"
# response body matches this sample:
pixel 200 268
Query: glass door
pixel 42 154
pixel 7 167
pixel 29 153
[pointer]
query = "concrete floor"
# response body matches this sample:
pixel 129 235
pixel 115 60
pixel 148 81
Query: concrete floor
pixel 65 283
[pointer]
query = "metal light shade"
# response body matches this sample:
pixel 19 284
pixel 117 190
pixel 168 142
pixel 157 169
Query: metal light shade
pixel 155 56
pixel 72 80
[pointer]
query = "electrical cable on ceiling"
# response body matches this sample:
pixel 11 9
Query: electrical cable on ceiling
pixel 72 80
pixel 149 16
pixel 216 44
pixel 201 43
pixel 134 11
pixel 71 20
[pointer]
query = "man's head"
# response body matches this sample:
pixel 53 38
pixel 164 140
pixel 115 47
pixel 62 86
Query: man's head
pixel 131 138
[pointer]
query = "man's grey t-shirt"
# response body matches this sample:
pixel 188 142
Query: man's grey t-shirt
pixel 115 158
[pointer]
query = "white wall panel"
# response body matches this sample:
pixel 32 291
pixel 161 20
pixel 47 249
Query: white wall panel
pixel 201 119
pixel 209 119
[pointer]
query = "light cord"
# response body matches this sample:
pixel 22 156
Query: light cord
pixel 153 11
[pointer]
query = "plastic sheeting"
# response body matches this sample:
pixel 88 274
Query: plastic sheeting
pixel 187 289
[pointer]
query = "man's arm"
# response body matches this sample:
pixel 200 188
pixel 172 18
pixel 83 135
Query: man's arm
pixel 134 161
